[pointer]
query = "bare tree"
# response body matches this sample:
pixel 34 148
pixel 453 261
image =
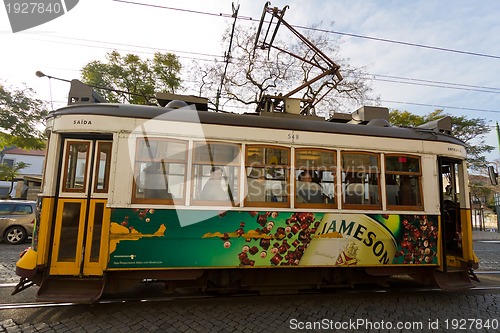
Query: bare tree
pixel 332 96
pixel 253 73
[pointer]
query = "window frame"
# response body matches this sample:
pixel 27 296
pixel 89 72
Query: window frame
pixel 241 167
pixel 361 206
pixel 405 173
pixel 265 166
pixel 107 166
pixel 9 161
pixel 136 171
pixel 236 163
pixel 7 204
pixel 16 210
pixel 64 187
pixel 332 168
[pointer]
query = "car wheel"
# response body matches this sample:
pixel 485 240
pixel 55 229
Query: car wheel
pixel 15 235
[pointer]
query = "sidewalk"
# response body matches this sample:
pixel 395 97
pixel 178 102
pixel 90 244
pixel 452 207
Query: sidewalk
pixel 485 235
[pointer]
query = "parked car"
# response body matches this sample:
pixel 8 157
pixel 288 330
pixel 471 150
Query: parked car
pixel 17 219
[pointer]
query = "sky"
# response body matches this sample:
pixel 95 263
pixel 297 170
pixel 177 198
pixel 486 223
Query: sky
pixel 424 55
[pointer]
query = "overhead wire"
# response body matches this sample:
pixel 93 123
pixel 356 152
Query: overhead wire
pixel 377 77
pixel 429 83
pixel 441 84
pixel 372 76
pixel 386 40
pixel 440 106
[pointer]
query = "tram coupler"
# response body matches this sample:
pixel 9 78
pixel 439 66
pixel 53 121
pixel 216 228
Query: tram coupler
pixel 22 285
pixel 472 274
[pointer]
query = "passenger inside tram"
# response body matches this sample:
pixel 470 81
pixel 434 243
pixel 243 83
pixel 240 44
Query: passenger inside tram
pixel 307 190
pixel 213 189
pixel 155 182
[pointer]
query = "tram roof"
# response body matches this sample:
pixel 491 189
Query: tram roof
pixel 252 120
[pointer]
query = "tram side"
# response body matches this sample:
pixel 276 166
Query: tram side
pixel 221 204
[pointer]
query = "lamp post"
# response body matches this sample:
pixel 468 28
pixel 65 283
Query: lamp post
pixel 41 74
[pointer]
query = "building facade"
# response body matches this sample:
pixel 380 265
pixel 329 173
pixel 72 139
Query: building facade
pixel 27 184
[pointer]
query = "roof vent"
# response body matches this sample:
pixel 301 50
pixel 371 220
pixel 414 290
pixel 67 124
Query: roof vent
pixel 176 104
pixel 339 117
pixel 442 125
pixel 164 99
pixel 379 123
pixel 367 113
pixel 80 92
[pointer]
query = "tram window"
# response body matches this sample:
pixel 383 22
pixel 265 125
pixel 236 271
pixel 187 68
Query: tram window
pixel 403 181
pixel 160 171
pixel 216 168
pixel 76 160
pixel 102 167
pixel 360 180
pixel 315 177
pixel 267 170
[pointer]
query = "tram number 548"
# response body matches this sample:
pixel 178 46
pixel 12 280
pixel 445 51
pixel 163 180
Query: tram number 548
pixel 293 136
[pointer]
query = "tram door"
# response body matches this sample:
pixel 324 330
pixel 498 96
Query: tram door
pixel 452 202
pixel 80 244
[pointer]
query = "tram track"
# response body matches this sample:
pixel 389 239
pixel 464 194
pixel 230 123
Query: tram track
pixel 13 284
pixel 40 305
pixel 16 306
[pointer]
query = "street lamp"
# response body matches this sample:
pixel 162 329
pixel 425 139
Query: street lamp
pixel 41 74
pixel 93 93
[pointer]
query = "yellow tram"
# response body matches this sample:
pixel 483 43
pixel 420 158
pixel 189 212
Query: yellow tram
pixel 262 202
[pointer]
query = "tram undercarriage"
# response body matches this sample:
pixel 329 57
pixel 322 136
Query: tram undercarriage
pixel 231 281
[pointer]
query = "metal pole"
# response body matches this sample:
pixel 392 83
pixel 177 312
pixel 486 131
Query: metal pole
pixel 497 209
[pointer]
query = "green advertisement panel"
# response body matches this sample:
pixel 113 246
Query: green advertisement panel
pixel 148 238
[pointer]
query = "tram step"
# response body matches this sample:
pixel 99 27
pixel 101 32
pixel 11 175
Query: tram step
pixel 453 280
pixel 70 289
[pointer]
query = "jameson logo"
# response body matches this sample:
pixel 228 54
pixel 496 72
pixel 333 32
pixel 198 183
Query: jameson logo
pixel 350 239
pixel 360 232
pixel 26 14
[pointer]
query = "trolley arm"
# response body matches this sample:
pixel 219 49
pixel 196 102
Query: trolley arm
pixel 330 68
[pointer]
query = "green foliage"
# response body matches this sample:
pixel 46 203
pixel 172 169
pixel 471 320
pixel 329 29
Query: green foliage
pixel 136 79
pixel 471 131
pixel 481 188
pixel 21 117
pixel 8 173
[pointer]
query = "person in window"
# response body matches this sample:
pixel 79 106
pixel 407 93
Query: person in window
pixel 305 176
pixel 307 190
pixel 156 182
pixel 213 189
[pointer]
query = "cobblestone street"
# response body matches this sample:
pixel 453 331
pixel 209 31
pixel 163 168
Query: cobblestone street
pixel 342 311
pixel 487 248
pixel 265 314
